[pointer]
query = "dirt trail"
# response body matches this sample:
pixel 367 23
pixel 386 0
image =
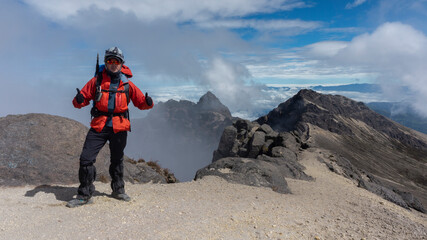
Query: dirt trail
pixel 331 207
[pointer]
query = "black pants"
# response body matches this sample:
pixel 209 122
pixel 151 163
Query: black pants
pixel 87 171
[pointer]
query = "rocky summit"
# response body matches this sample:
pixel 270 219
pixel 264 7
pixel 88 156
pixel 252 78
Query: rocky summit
pixel 378 154
pixel 45 149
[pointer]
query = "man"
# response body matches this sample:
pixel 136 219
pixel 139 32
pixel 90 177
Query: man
pixel 111 92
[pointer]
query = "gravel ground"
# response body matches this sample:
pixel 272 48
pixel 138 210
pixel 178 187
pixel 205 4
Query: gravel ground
pixel 331 207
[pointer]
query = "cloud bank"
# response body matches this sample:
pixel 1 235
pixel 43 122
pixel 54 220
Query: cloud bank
pixel 396 52
pixel 177 11
pixel 50 56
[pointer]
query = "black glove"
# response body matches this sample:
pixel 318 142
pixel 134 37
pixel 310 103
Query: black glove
pixel 79 97
pixel 148 100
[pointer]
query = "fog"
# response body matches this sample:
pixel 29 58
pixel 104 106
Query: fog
pixel 180 135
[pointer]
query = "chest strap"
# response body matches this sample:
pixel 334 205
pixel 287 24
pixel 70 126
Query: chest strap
pixel 96 113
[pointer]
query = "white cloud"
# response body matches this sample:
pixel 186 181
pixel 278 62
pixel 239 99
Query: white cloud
pixel 46 58
pixel 178 11
pixel 270 25
pixel 326 49
pixel 228 81
pixel 354 4
pixel 396 51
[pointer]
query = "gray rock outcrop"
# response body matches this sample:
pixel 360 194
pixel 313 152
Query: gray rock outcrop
pixel 255 155
pixel 45 149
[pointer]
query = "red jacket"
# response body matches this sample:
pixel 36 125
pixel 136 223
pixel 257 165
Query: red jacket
pixel 119 122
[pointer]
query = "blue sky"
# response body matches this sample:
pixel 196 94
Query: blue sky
pixel 233 48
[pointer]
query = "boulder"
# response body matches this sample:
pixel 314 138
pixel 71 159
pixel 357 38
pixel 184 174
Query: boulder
pixel 226 143
pixel 256 143
pixel 288 167
pixel 286 139
pixel 265 128
pixel 267 146
pixel 242 124
pixel 248 172
pixel 280 151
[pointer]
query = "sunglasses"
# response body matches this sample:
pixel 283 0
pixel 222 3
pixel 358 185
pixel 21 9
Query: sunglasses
pixel 113 61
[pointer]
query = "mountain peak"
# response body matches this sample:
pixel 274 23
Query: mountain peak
pixel 325 110
pixel 307 93
pixel 366 139
pixel 209 102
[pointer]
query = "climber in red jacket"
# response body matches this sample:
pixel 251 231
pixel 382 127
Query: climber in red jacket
pixel 111 91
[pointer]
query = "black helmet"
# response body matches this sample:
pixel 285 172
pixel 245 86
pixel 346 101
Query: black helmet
pixel 114 52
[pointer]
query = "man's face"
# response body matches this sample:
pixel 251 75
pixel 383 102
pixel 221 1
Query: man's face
pixel 113 64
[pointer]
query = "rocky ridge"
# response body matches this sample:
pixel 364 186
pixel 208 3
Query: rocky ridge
pixel 45 149
pixel 375 152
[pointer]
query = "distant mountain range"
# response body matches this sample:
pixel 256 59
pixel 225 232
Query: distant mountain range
pixel 357 87
pixel 401 113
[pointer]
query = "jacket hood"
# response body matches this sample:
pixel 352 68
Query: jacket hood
pixel 126 71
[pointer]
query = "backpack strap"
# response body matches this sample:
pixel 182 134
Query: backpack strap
pixel 98 94
pixel 126 86
pixel 125 81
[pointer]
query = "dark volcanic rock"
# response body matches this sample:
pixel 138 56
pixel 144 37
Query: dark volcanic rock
pixel 255 144
pixel 255 155
pixel 225 147
pixel 247 171
pixel 45 149
pixel 181 135
pixel 287 166
pixel 366 143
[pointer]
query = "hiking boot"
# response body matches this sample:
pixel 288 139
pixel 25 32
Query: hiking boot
pixel 78 202
pixel 121 196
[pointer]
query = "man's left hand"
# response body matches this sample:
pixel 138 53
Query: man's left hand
pixel 148 100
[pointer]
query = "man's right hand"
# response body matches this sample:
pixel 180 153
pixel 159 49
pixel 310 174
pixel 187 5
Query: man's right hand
pixel 79 97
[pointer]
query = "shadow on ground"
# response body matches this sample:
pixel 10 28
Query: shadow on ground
pixel 62 193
